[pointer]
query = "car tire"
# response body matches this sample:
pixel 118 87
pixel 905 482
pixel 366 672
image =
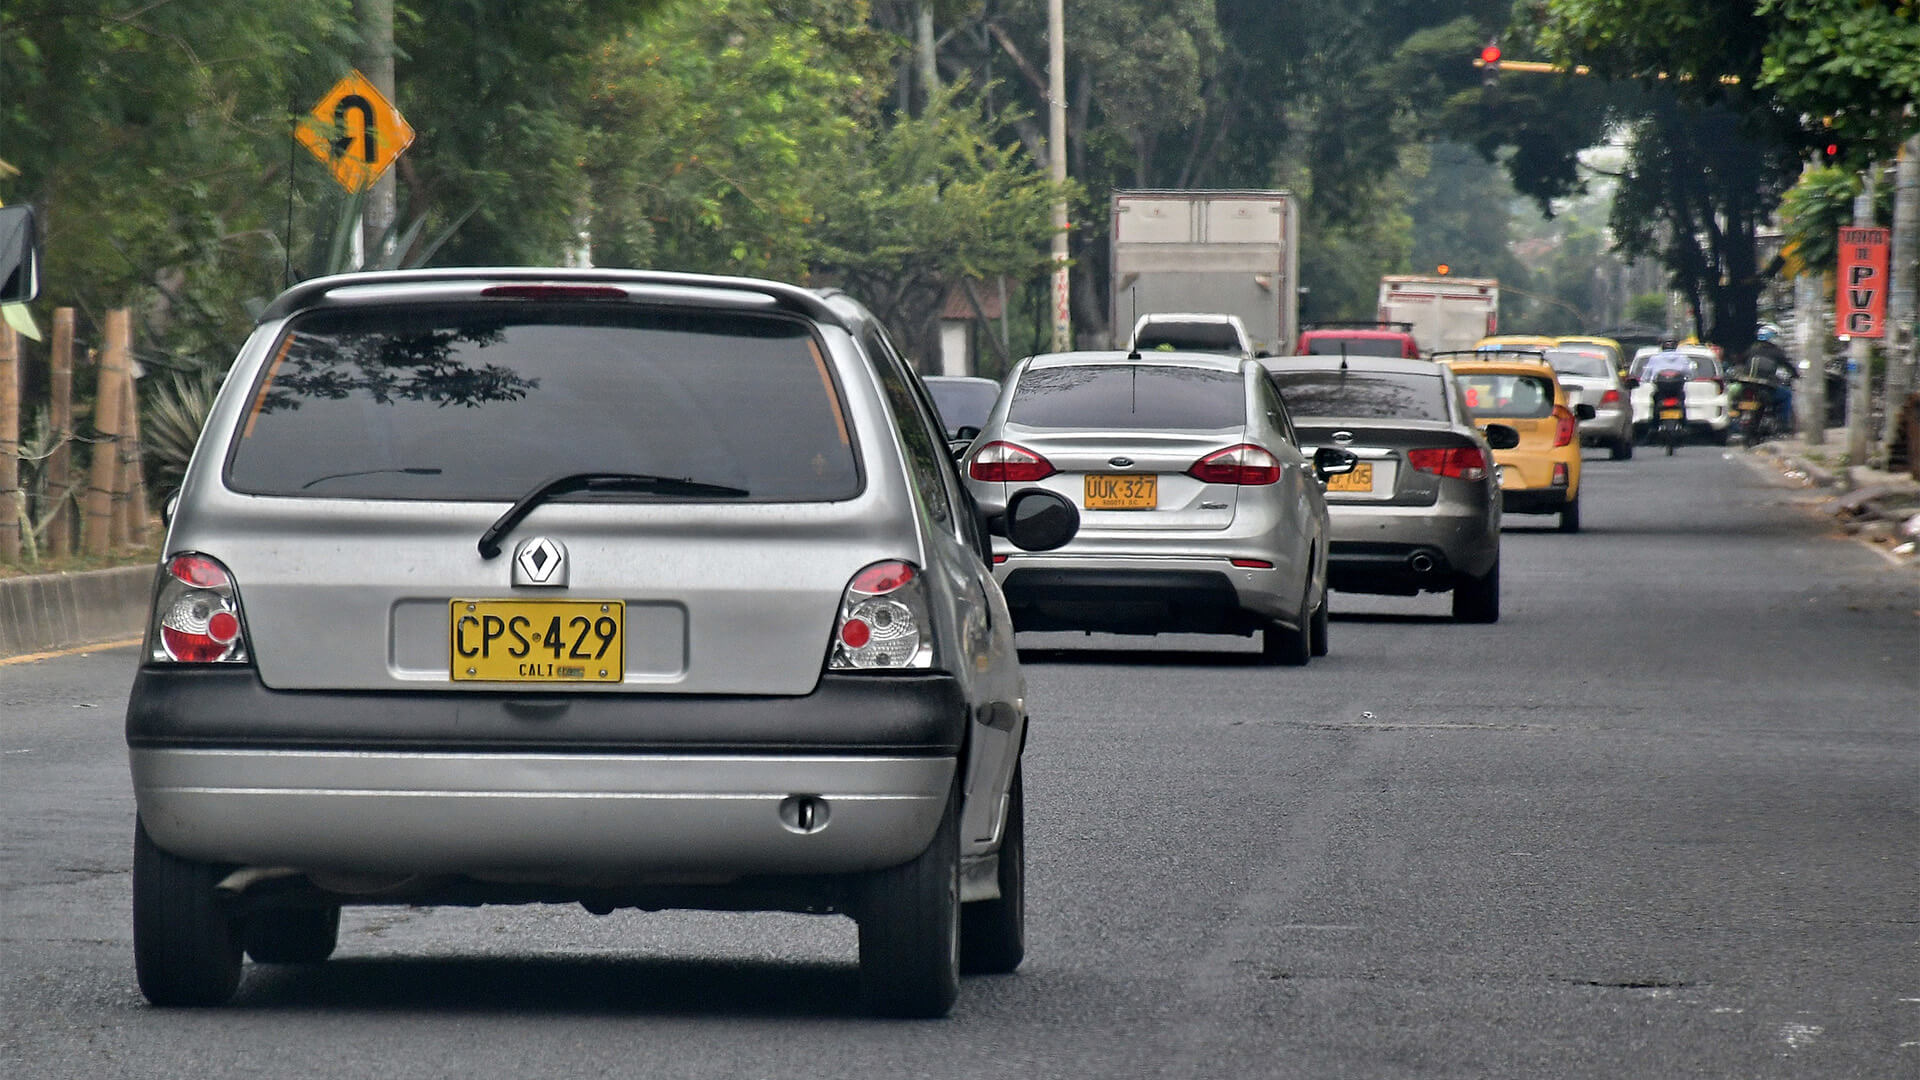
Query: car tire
pixel 909 923
pixel 993 933
pixel 1477 599
pixel 1622 450
pixel 186 947
pixel 1289 647
pixel 1321 638
pixel 1570 516
pixel 291 935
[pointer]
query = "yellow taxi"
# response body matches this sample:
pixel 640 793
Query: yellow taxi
pixel 1515 343
pixel 1615 355
pixel 1520 390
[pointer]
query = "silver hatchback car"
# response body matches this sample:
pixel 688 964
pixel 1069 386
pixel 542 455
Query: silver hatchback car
pixel 1421 510
pixel 616 588
pixel 1199 510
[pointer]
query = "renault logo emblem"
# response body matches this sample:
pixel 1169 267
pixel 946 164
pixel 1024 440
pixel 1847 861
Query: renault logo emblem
pixel 540 561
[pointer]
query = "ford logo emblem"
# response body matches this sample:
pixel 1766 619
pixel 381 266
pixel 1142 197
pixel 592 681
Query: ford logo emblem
pixel 1120 462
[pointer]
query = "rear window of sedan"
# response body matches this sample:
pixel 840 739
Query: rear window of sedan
pixel 1355 346
pixel 1127 397
pixel 1363 395
pixel 1582 362
pixel 485 401
pixel 1512 397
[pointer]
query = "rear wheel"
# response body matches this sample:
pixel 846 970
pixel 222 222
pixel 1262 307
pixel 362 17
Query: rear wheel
pixel 1570 516
pixel 1289 647
pixel 186 948
pixel 993 933
pixel 1622 450
pixel 292 935
pixel 910 928
pixel 1477 599
pixel 1320 628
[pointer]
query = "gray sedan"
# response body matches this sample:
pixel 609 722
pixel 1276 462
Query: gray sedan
pixel 1421 511
pixel 1589 376
pixel 1200 511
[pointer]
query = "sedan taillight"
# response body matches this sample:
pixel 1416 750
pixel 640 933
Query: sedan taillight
pixel 1611 397
pixel 883 623
pixel 1003 462
pixel 1247 465
pixel 1459 462
pixel 196 614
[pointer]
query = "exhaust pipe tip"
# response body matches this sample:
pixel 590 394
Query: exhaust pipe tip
pixel 1420 562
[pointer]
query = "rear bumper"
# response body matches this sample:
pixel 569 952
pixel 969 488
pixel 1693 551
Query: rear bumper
pixel 1405 550
pixel 1145 595
pixel 577 791
pixel 1534 500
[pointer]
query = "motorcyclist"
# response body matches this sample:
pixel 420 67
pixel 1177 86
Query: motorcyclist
pixel 1666 371
pixel 1770 363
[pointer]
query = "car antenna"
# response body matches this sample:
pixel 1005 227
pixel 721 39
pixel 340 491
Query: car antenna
pixel 1133 315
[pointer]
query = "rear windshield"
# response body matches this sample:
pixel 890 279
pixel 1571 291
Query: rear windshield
pixel 1579 362
pixel 1363 395
pixel 1200 337
pixel 963 404
pixel 485 401
pixel 1513 397
pixel 1129 396
pixel 1355 346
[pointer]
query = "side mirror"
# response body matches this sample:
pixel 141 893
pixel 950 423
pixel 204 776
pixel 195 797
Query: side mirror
pixel 169 508
pixel 1631 382
pixel 966 433
pixel 1584 411
pixel 1502 437
pixel 19 255
pixel 1037 520
pixel 1333 461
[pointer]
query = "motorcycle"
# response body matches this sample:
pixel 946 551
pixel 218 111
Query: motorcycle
pixel 1670 410
pixel 1751 403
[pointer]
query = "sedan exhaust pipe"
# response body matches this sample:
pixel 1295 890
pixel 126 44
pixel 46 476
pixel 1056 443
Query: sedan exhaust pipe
pixel 1420 562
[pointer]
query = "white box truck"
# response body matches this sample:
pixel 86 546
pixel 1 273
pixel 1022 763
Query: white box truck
pixel 1445 312
pixel 1233 252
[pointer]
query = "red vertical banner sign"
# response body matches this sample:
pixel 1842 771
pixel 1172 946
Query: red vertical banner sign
pixel 1860 306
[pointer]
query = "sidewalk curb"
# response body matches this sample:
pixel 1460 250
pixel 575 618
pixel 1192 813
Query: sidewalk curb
pixel 43 612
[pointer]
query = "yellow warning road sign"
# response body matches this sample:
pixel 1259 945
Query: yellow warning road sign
pixel 356 131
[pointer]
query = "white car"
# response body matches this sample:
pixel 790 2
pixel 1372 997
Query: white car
pixel 1706 393
pixel 1192 331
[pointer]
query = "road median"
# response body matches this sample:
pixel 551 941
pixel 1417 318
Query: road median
pixel 42 612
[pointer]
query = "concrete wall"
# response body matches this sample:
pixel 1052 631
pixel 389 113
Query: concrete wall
pixel 53 611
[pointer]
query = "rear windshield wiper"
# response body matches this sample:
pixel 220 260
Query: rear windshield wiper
pixel 414 471
pixel 650 483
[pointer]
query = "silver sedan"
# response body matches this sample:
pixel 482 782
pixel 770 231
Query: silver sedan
pixel 1200 512
pixel 1421 512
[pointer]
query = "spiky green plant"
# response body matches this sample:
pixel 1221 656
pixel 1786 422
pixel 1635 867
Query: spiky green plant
pixel 174 413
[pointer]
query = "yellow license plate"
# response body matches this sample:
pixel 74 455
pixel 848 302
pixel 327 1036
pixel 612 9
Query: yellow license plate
pixel 1360 479
pixel 1120 492
pixel 538 641
pixel 1749 406
pixel 1672 414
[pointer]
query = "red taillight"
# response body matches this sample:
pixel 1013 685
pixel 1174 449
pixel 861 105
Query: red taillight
pixel 883 623
pixel 1564 425
pixel 1559 474
pixel 1252 564
pixel 1611 397
pixel 196 614
pixel 1246 465
pixel 1459 462
pixel 1003 462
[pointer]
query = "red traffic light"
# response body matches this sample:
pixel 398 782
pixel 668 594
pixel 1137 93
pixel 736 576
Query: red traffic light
pixel 1490 54
pixel 1833 150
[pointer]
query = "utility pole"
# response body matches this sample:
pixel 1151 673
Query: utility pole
pixel 1901 300
pixel 1859 349
pixel 1809 340
pixel 1057 162
pixel 375 21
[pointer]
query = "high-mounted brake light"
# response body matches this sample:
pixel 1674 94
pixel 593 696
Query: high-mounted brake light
pixel 553 292
pixel 1564 425
pixel 883 623
pixel 1458 462
pixel 1003 462
pixel 1247 465
pixel 196 614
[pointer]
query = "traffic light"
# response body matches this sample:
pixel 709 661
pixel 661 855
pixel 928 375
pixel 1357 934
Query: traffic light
pixel 1444 269
pixel 1490 63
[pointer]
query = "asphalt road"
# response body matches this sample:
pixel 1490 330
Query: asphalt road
pixel 1663 819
